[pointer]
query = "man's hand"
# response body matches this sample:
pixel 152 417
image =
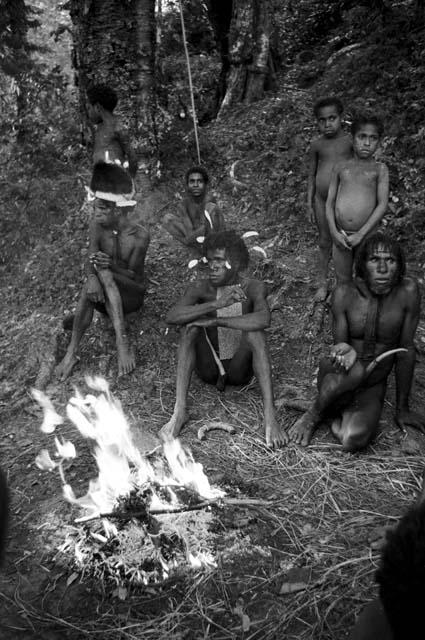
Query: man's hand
pixel 343 356
pixel 311 216
pixel 341 241
pixel 100 260
pixel 231 295
pixel 203 322
pixel 405 417
pixel 94 290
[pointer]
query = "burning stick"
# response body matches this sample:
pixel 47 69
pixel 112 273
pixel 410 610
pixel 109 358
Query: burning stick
pixel 219 502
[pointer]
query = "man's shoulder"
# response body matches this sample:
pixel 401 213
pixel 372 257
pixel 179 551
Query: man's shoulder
pixel 380 167
pixel 409 286
pixel 254 286
pixel 344 293
pixel 198 288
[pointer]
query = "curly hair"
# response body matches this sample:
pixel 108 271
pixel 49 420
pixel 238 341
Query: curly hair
pixel 362 119
pixel 103 95
pixel 197 169
pixel 374 242
pixel 233 244
pixel 401 576
pixel 110 178
pixel 330 101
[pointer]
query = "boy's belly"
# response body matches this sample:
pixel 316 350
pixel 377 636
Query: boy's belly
pixel 353 210
pixel 323 179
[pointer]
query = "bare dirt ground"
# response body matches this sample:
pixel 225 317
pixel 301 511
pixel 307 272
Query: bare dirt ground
pixel 299 567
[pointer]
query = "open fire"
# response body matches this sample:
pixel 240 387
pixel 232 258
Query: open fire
pixel 141 519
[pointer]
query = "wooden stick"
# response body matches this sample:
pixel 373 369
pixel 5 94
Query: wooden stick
pixel 221 502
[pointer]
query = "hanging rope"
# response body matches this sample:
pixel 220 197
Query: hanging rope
pixel 195 126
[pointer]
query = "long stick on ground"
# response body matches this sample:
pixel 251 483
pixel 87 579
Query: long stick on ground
pixel 221 502
pixel 189 73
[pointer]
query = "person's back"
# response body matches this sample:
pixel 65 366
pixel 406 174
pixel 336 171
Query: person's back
pixel 110 141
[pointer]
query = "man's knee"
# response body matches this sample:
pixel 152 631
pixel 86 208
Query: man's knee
pixel 352 442
pixel 106 277
pixel 189 335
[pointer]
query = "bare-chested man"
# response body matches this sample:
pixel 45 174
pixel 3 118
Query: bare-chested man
pixel 375 313
pixel 332 147
pixel 115 283
pixel 357 196
pixel 196 215
pixel 223 320
pixel 110 141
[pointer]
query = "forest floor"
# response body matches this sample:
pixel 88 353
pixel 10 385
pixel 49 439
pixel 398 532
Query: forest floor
pixel 299 566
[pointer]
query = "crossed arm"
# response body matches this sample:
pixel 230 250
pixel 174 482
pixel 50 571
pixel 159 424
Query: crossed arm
pixel 192 309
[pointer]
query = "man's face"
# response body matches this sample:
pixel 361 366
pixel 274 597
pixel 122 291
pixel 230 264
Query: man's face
pixel 104 211
pixel 329 121
pixel 196 184
pixel 366 141
pixel 219 273
pixel 381 271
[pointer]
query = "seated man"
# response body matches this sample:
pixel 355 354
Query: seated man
pixel 196 216
pixel 115 283
pixel 397 613
pixel 376 313
pixel 223 339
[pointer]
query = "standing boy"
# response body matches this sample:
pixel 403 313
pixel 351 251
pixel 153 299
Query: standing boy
pixel 197 215
pixel 358 195
pixel 333 146
pixel 110 141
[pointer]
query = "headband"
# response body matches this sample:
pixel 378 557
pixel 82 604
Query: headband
pixel 120 199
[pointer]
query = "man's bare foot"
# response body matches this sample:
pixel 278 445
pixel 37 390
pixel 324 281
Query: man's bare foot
pixel 126 360
pixel 275 436
pixel 321 294
pixel 302 430
pixel 64 368
pixel 172 428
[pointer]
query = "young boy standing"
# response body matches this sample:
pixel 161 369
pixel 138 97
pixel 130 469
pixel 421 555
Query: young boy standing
pixel 358 195
pixel 110 141
pixel 333 146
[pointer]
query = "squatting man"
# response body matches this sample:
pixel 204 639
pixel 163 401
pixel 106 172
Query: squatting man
pixel 375 313
pixel 223 320
pixel 115 283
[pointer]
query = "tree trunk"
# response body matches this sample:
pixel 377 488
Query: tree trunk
pixel 114 44
pixel 145 80
pixel 245 48
pixel 260 67
pixel 419 13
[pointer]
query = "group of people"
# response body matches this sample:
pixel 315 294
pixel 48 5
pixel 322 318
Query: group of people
pixel 224 313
